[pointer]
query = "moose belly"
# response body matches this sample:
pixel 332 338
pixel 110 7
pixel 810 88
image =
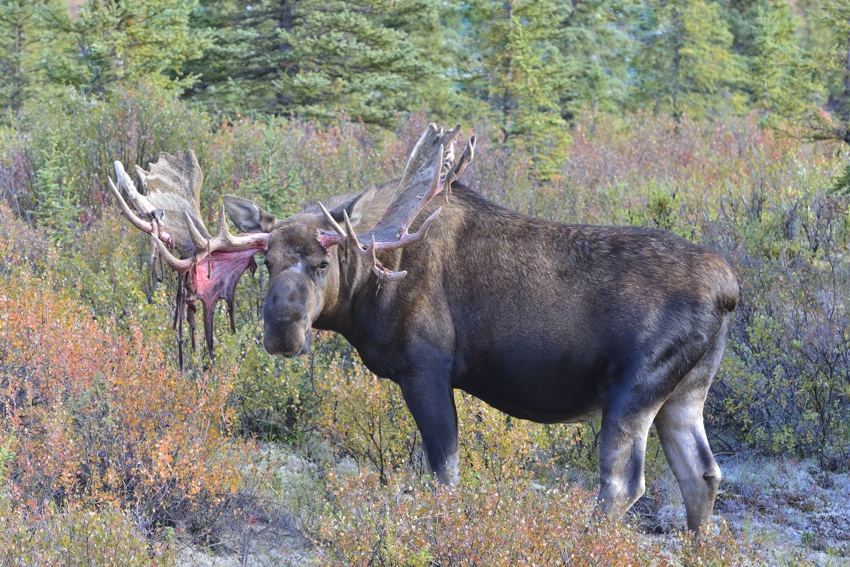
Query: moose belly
pixel 537 382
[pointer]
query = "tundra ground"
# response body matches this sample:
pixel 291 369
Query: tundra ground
pixel 795 511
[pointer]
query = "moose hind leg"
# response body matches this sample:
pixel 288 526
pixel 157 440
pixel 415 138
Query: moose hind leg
pixel 682 434
pixel 685 445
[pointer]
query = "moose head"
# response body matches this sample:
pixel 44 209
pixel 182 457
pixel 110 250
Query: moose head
pixel 307 255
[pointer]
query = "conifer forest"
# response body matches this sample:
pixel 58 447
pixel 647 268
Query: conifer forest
pixel 725 122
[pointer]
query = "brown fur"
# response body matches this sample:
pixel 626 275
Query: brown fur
pixel 545 321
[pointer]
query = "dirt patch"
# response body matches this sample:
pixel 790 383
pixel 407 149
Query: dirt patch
pixel 796 502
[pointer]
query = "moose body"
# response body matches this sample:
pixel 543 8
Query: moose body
pixel 544 321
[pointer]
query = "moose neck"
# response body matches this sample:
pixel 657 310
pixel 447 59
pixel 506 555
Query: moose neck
pixel 353 285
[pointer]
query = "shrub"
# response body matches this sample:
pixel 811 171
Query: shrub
pixel 103 419
pixel 76 537
pixel 73 140
pixel 366 417
pixel 406 522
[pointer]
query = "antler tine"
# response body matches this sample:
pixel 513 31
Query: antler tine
pixel 384 275
pixel 387 275
pixel 460 165
pixel 407 238
pixel 142 225
pixel 326 239
pixel 223 234
pixel 201 244
pixel 338 229
pixel 142 175
pixel 140 202
pixel 369 251
pixel 351 236
pixel 178 265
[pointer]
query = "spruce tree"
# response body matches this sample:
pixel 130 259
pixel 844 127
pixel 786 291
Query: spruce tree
pixel 352 57
pixel 782 81
pixel 685 64
pixel 524 75
pixel 367 59
pixel 834 21
pixel 598 46
pixel 741 18
pixel 30 45
pixel 121 42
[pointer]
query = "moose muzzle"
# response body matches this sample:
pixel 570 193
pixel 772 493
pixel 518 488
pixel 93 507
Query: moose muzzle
pixel 286 315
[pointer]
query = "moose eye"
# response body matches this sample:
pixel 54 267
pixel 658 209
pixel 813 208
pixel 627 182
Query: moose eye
pixel 323 265
pixel 267 265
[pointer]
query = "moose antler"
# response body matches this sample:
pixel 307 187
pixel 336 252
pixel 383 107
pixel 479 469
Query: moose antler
pixel 209 267
pixel 430 170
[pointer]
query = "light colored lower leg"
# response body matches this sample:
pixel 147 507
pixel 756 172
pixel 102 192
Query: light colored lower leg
pixel 682 434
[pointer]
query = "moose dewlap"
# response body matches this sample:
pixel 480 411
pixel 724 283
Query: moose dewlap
pixel 545 321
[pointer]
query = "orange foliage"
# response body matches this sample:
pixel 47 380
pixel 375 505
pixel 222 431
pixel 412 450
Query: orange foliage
pixel 100 418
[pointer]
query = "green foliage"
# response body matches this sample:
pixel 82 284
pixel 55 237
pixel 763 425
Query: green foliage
pixel 77 538
pixel 599 46
pixel 833 19
pixel 348 57
pixel 57 209
pixel 527 73
pixel 522 70
pixel 841 184
pixel 357 58
pixel 123 43
pixel 29 40
pixel 686 65
pixel 782 82
pixel 76 139
pixel 277 190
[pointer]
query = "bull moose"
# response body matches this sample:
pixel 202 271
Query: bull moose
pixel 544 321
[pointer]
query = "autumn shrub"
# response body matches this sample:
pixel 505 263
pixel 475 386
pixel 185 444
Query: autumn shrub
pixel 366 418
pixel 783 387
pixel 408 522
pixel 77 537
pixel 72 140
pixel 101 418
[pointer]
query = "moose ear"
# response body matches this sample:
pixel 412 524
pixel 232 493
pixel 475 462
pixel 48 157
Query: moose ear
pixel 247 215
pixel 355 207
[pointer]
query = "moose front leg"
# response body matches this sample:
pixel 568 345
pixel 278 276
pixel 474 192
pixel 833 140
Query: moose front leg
pixel 432 404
